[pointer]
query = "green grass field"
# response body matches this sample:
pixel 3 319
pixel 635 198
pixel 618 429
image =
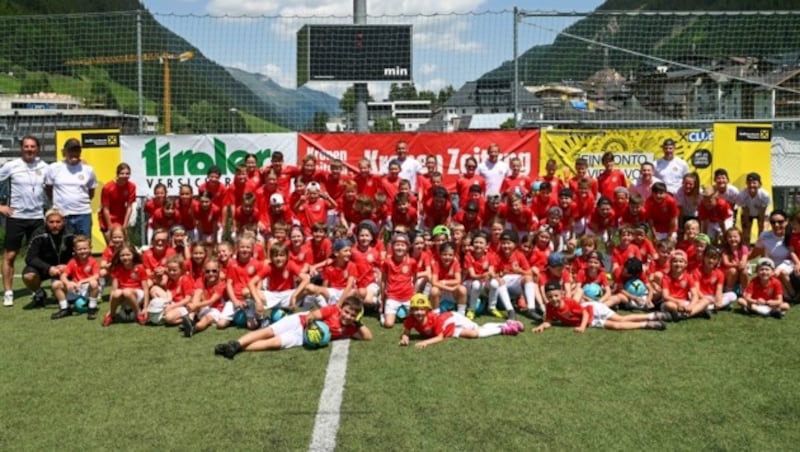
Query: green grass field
pixel 729 383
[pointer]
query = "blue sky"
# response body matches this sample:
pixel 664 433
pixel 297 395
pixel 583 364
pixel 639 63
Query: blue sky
pixel 448 48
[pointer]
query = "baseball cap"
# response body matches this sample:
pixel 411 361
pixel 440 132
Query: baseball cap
pixel 368 225
pixel 341 244
pixel 440 229
pixel 401 238
pixel 72 143
pixel 765 261
pixel 509 234
pixel 276 199
pixel 474 188
pixel 703 238
pixel 552 285
pixel 668 142
pixel 472 206
pixel 753 177
pixel 555 260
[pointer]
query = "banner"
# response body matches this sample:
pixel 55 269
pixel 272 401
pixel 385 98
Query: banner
pixel 451 149
pixel 744 148
pixel 631 147
pixel 185 159
pixel 100 149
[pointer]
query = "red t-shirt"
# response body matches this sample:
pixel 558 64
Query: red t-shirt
pixel 522 221
pixel 538 258
pixel 433 325
pixel 129 278
pixel 280 279
pixel 240 273
pixel 409 218
pixel 209 291
pixel 463 185
pixel 217 191
pixel 76 271
pixel 513 263
pixel 186 214
pixel 542 204
pixel 583 277
pixel 332 316
pixel 680 287
pixel 570 313
pixel 661 214
pixel 708 282
pixel 717 213
pixel 520 183
pixel 443 272
pixel 619 255
pixel 368 185
pixel 116 198
pixel 593 187
pixel 320 250
pixel 366 261
pixel 399 277
pixel 479 265
pixel 181 288
pixel 311 213
pixel 235 192
pixel 337 276
pixel 151 261
pixel 607 181
pixel 773 290
pixel 208 221
pixel 631 219
pixel 302 256
pixel 436 215
pixel 160 221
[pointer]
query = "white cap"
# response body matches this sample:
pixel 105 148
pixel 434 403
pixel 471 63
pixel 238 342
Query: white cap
pixel 276 199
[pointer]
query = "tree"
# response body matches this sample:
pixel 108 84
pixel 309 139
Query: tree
pixel 35 83
pixel 386 124
pixel 403 91
pixel 100 94
pixel 445 94
pixel 509 124
pixel 348 102
pixel 319 123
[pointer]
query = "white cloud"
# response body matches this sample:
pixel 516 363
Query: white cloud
pixel 426 69
pixel 432 85
pixel 277 74
pixel 337 7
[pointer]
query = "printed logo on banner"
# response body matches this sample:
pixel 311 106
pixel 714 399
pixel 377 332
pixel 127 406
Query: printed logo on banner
pixel 99 140
pixel 744 133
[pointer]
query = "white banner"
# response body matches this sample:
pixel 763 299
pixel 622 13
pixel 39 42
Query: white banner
pixel 185 159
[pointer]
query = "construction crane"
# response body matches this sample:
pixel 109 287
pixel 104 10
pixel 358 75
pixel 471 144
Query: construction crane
pixel 162 57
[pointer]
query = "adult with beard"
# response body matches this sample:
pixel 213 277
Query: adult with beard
pixel 70 184
pixel 48 254
pixel 25 206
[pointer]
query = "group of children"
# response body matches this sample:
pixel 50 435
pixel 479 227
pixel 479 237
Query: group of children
pixel 311 239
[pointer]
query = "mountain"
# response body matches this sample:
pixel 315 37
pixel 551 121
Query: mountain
pixel 300 104
pixel 670 37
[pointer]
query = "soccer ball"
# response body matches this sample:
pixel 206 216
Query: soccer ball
pixel 316 335
pixel 480 306
pixel 240 318
pixel 126 315
pixel 636 287
pixel 402 312
pixel 446 305
pixel 81 305
pixel 593 291
pixel 276 314
pixel 155 312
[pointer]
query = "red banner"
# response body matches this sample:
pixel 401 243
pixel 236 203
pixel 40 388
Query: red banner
pixel 451 149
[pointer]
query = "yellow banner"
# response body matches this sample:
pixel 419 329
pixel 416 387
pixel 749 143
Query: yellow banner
pixel 631 147
pixel 100 149
pixel 742 149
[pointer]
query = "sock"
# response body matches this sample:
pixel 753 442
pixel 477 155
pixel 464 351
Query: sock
pixel 489 329
pixel 652 316
pixel 530 294
pixel 437 311
pixel 505 299
pixel 9 292
pixel 462 308
pixel 761 309
pixel 92 303
pixel 62 304
pixel 472 298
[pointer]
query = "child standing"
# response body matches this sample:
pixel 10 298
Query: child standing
pixel 398 279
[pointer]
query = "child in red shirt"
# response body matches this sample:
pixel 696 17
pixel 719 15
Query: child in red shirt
pixel 368 255
pixel 623 251
pixel 714 213
pixel 338 275
pixel 570 313
pixel 279 283
pixel 399 272
pixel 734 259
pixel 515 271
pixel 436 327
pixel 711 281
pixel 79 279
pixel 208 218
pixel 479 270
pixel 208 304
pixel 176 293
pixel 446 279
pixel 764 294
pixel 239 272
pixel 593 273
pixel 342 321
pixel 662 212
pixel 679 289
pixel 128 285
pixel 610 179
pixel 403 213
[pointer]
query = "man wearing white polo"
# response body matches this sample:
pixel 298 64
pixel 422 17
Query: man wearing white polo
pixel 671 169
pixel 25 207
pixel 70 184
pixel 409 165
pixel 493 170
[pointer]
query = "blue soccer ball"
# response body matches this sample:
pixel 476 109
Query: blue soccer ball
pixel 480 306
pixel 316 335
pixel 240 318
pixel 402 312
pixel 277 314
pixel 81 305
pixel 593 291
pixel 446 305
pixel 635 287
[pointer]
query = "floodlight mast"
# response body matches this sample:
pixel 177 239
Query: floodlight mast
pixel 360 89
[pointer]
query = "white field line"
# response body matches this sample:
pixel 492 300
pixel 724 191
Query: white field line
pixel 326 423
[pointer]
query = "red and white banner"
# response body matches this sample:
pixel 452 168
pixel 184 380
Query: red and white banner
pixel 450 149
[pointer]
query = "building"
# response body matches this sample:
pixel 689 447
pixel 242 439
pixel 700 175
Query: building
pixel 410 114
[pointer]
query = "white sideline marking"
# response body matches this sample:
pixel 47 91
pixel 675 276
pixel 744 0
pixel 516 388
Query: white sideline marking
pixel 326 423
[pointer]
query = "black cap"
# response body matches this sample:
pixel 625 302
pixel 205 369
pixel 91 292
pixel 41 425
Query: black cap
pixel 753 177
pixel 509 234
pixel 552 285
pixel 565 192
pixel 72 143
pixel 474 188
pixel 668 142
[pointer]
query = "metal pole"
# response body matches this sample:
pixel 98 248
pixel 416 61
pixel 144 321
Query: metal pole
pixel 167 96
pixel 140 86
pixel 360 89
pixel 517 116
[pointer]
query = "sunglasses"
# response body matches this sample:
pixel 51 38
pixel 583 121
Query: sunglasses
pixel 777 222
pixel 211 272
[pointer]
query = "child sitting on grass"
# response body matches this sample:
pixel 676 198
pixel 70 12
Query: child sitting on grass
pixel 594 314
pixel 436 328
pixel 764 293
pixel 79 279
pixel 343 321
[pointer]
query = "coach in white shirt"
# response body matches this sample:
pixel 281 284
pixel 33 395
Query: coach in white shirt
pixel 644 185
pixel 671 169
pixel 70 184
pixel 409 166
pixel 493 170
pixel 25 207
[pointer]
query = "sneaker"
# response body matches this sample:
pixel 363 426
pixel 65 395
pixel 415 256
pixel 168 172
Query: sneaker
pixel 38 300
pixel 61 314
pixel 663 316
pixel 91 314
pixel 508 329
pixel 188 326
pixel 108 319
pixel 655 325
pixel 705 314
pixel 495 313
pixel 471 314
pixel 777 313
pixel 520 327
pixel 8 299
pixel 228 350
pixel 535 315
pixel 141 318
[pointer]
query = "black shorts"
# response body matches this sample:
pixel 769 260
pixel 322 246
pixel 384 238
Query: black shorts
pixel 42 276
pixel 17 228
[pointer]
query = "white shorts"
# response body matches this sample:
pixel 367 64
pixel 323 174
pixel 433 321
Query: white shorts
pixel 373 289
pixel 461 323
pixel 83 291
pixel 785 268
pixel 513 282
pixel 393 305
pixel 289 330
pixel 202 237
pixel 334 295
pixel 281 299
pixel 226 314
pixel 601 313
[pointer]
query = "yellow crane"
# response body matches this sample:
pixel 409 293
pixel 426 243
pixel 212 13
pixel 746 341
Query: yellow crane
pixel 162 57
